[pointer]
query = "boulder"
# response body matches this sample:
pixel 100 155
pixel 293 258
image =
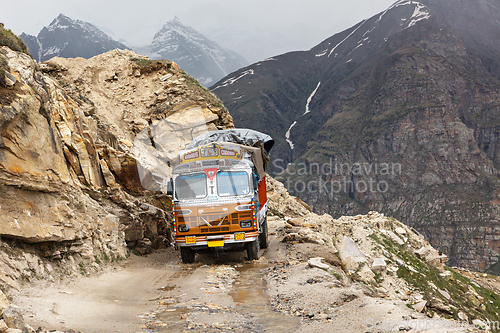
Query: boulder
pixel 479 324
pixel 437 304
pixel 4 303
pixel 13 318
pixel 400 231
pixel 316 262
pixel 393 236
pixel 350 249
pixel 463 317
pixel 297 222
pixel 354 262
pixel 420 306
pixel 3 326
pixel 445 294
pixel 364 274
pixel 10 80
pixel 422 252
pixel 379 265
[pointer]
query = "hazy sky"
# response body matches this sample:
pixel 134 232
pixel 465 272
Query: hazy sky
pixel 255 29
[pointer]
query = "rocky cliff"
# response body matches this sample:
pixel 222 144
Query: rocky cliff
pixel 397 114
pixel 71 191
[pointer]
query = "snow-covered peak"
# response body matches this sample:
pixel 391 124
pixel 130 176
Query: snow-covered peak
pixel 199 56
pixel 421 12
pixel 63 22
pixel 68 38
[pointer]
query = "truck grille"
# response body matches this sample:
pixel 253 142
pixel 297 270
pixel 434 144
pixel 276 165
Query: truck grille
pixel 214 220
pixel 214 229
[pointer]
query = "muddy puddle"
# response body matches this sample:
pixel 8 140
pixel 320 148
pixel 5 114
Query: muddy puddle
pixel 250 294
pixel 251 310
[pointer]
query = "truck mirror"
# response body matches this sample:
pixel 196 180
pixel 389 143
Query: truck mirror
pixel 170 187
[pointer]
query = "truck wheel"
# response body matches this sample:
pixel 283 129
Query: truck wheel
pixel 253 249
pixel 264 235
pixel 187 255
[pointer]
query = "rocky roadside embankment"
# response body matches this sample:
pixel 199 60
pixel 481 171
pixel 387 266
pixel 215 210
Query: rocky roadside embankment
pixel 356 271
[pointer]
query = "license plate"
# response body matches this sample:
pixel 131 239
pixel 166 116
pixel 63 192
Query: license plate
pixel 190 239
pixel 215 243
pixel 239 236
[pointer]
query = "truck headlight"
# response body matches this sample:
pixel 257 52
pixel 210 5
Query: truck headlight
pixel 183 228
pixel 246 223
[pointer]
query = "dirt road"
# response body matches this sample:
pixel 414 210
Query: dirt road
pixel 159 293
pixel 219 293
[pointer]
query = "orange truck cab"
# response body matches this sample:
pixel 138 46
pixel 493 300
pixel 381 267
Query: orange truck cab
pixel 219 193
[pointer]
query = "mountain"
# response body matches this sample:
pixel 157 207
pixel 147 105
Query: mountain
pixel 397 114
pixel 202 58
pixel 69 38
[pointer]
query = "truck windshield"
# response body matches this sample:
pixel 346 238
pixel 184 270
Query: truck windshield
pixel 191 186
pixel 232 183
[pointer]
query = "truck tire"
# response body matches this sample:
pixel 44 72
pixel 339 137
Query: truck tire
pixel 253 250
pixel 264 235
pixel 187 255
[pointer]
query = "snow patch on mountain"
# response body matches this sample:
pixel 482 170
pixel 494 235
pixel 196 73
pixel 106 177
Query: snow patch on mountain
pixel 359 26
pixel 419 14
pixel 287 135
pixel 232 80
pixel 309 99
pixel 322 53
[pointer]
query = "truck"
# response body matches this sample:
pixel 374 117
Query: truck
pixel 219 193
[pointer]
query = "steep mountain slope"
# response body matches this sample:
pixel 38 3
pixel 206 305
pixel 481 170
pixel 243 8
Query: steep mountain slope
pixel 398 114
pixel 202 58
pixel 69 38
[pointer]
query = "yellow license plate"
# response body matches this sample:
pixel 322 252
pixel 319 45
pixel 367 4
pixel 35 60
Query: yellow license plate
pixel 239 236
pixel 190 239
pixel 215 243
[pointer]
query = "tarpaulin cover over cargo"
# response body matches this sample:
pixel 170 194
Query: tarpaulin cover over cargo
pixel 255 143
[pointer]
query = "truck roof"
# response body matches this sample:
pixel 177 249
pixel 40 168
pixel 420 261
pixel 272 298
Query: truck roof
pixel 242 136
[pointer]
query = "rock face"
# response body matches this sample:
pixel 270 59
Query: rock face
pixel 396 114
pixel 69 38
pixel 69 175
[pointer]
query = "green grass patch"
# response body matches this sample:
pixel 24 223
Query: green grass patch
pixel 9 39
pixel 142 62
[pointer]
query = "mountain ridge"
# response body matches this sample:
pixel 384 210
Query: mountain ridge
pixel 403 87
pixel 69 38
pixel 201 57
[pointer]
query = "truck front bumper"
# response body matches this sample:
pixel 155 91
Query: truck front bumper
pixel 210 240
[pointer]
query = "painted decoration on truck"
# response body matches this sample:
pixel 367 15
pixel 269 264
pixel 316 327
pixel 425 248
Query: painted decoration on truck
pixel 211 152
pixel 210 172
